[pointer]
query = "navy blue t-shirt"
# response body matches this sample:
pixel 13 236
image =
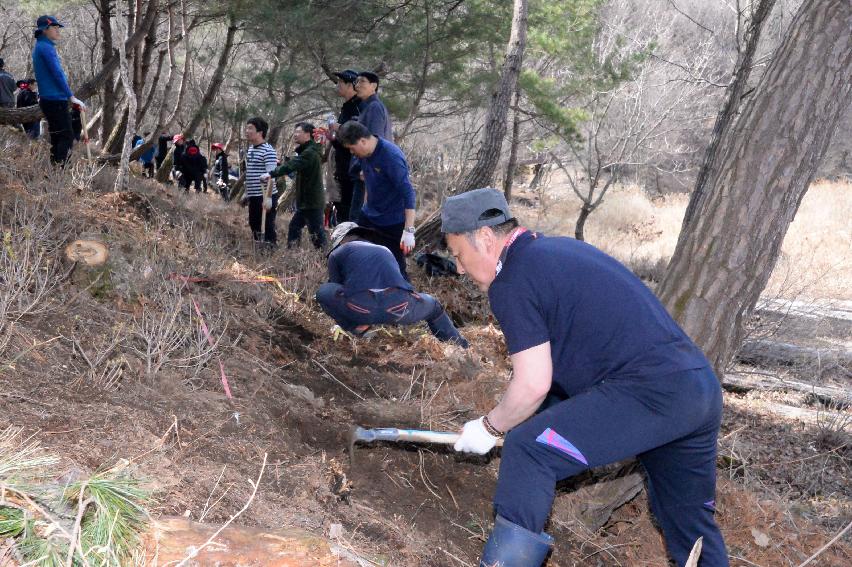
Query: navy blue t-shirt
pixel 600 319
pixel 359 266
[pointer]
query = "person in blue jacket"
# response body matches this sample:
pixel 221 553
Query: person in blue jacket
pixel 601 373
pixel 54 92
pixel 390 199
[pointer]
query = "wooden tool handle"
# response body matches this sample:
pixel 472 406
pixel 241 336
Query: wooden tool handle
pixel 440 437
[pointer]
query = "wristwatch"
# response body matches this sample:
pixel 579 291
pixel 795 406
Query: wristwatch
pixel 410 229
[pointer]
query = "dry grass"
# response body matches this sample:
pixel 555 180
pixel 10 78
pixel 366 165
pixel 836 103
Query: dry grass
pixel 815 261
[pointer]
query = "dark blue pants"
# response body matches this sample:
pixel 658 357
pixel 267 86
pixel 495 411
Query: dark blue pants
pixel 313 219
pixel 357 199
pixel 389 237
pixel 392 306
pixel 670 423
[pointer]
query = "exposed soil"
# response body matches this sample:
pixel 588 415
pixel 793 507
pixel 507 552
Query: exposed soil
pixel 297 391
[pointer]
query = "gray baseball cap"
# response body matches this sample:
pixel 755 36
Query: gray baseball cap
pixel 474 209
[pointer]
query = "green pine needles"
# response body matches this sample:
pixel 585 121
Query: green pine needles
pixel 94 521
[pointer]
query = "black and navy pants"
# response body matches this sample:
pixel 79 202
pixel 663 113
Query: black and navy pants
pixel 58 118
pixel 388 236
pixel 670 423
pixel 313 219
pixel 391 306
pixel 255 212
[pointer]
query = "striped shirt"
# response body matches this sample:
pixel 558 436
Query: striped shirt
pixel 260 159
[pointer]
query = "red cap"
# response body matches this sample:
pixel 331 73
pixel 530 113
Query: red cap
pixel 217 146
pixel 177 137
pixel 192 150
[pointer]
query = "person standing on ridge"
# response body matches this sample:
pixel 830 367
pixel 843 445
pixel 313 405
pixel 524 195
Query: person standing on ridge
pixel 54 92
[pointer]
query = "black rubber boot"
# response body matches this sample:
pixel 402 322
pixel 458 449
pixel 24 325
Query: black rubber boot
pixel 510 545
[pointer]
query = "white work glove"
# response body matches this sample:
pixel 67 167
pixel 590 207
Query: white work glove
pixel 406 243
pixel 264 178
pixel 267 204
pixel 475 438
pixel 77 101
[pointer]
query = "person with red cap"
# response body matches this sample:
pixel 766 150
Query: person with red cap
pixel 194 167
pixel 55 94
pixel 28 97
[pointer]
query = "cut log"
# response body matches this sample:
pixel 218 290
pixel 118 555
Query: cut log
pixel 593 505
pixel 771 353
pixel 739 383
pixel 172 539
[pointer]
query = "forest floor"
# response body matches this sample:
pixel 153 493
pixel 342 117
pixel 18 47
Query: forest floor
pixel 110 364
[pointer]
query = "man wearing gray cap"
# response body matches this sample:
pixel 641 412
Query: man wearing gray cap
pixel 601 373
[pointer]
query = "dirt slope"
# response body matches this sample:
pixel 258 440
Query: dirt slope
pixel 296 391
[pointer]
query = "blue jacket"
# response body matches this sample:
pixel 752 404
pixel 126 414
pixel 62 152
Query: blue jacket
pixel 389 190
pixel 52 84
pixel 374 115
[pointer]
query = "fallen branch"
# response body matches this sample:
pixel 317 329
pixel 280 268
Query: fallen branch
pixel 741 383
pixel 826 546
pixel 773 353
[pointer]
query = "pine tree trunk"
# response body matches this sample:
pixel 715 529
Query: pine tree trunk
pixel 107 92
pixel 766 160
pixel 513 149
pixel 488 155
pixel 112 143
pixel 729 112
pixel 129 118
pixel 482 174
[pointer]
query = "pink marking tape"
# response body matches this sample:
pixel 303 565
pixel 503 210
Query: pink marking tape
pixel 210 342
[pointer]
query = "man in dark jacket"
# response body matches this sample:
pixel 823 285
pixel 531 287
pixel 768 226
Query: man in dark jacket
pixel 310 196
pixel 600 373
pixel 162 149
pixel 375 117
pixel 54 92
pixel 193 166
pixel 220 170
pixel 7 87
pixel 342 157
pixel 28 97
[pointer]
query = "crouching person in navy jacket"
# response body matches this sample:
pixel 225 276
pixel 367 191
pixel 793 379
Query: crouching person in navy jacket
pixel 366 288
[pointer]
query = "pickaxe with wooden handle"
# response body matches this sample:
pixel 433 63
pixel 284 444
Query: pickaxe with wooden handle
pixel 361 435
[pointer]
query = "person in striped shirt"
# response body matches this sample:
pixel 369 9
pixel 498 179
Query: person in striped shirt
pixel 260 160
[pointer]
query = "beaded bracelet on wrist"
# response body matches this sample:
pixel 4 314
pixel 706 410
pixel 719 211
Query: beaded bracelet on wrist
pixel 489 427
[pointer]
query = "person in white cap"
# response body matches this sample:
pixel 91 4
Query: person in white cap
pixel 366 288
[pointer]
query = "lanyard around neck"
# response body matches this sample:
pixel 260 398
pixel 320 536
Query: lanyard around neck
pixel 511 240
